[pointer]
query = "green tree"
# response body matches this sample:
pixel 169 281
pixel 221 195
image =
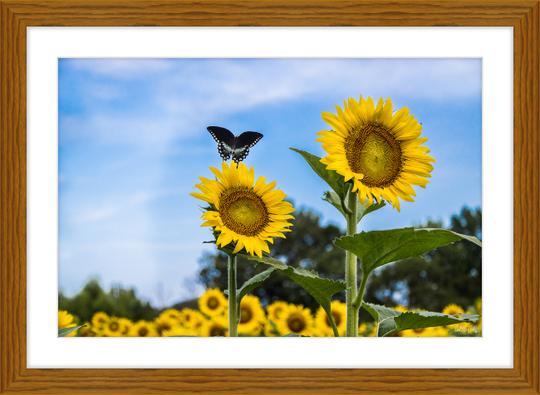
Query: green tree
pixel 308 245
pixel 451 274
pixel 117 302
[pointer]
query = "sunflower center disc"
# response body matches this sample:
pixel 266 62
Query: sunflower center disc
pixel 113 326
pixel 217 331
pixel 243 211
pixel 337 319
pixel 143 332
pixel 376 154
pixel 213 303
pixel 296 323
pixel 245 315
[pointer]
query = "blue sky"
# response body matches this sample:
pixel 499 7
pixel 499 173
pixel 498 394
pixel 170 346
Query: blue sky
pixel 133 142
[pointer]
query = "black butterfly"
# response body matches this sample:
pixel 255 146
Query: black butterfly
pixel 229 144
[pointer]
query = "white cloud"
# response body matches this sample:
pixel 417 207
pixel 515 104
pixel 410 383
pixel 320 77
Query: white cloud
pixel 166 100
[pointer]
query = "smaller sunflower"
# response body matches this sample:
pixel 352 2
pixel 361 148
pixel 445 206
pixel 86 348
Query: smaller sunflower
pixel 143 329
pixel 113 327
pixel 251 316
pixel 191 318
pixel 339 312
pixel 270 329
pixel 363 330
pixel 276 309
pixel 171 314
pixel 87 331
pixel 213 303
pixel 100 319
pixel 296 320
pixel 453 309
pixel 217 326
pixel 164 323
pixel 126 325
pixel 179 331
pixel 243 211
pixel 478 305
pixel 65 320
pixel 417 332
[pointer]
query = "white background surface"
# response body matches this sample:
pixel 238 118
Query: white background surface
pixel 493 350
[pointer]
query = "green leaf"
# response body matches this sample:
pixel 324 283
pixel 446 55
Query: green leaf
pixel 332 178
pixel 391 321
pixel 362 211
pixel 63 332
pixel 333 198
pixel 321 289
pixel 250 285
pixel 377 248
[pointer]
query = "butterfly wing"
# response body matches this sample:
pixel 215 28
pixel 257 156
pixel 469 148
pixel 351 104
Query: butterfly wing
pixel 243 143
pixel 225 140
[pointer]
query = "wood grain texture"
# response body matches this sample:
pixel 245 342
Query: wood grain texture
pixel 15 16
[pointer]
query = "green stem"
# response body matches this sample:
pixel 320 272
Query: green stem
pixel 350 270
pixel 357 303
pixel 233 308
pixel 334 326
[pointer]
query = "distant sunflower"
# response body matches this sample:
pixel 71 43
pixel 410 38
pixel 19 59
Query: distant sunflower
pixel 65 320
pixel 100 319
pixel 276 309
pixel 125 325
pixel 171 314
pixel 143 329
pixel 378 151
pixel 217 326
pixel 478 305
pixel 113 327
pixel 164 323
pixel 244 211
pixel 251 316
pixel 213 302
pixel 270 329
pixel 339 312
pixel 87 331
pixel 191 318
pixel 363 330
pixel 179 331
pixel 453 309
pixel 297 319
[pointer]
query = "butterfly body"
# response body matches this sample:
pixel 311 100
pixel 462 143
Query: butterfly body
pixel 231 145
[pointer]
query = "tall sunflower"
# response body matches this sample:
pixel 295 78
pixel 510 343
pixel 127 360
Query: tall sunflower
pixel 377 150
pixel 244 211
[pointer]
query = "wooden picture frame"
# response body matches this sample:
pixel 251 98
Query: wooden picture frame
pixel 17 15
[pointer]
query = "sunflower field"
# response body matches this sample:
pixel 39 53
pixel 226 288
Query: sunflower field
pixel 278 319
